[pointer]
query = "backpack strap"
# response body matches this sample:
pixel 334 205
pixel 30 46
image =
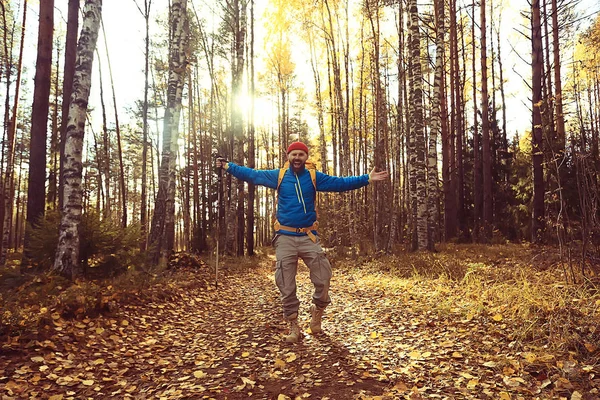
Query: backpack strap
pixel 312 170
pixel 286 166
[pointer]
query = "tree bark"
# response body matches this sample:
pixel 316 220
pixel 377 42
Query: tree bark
pixel 67 88
pixel 438 92
pixel 537 134
pixel 418 131
pixel 560 118
pixel 251 143
pixel 36 182
pixel 486 141
pixel 8 187
pixel 162 233
pixel 67 262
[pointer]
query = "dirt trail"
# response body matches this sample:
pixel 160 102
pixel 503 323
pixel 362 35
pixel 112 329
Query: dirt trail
pixel 227 344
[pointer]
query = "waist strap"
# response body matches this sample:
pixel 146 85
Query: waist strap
pixel 278 227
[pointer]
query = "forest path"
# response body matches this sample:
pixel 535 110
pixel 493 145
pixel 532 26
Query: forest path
pixel 227 343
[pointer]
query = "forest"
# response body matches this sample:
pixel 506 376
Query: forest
pixel 485 113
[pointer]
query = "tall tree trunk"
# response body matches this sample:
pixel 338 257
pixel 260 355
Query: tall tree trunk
pixel 235 232
pixel 251 142
pixel 122 186
pixel 460 136
pixel 8 188
pixel 36 183
pixel 537 135
pixel 67 88
pixel 432 176
pixel 162 233
pixel 144 194
pixel 477 164
pixel 448 139
pixel 107 211
pixel 502 93
pixel 67 261
pixel 485 124
pixel 53 163
pixel 422 240
pixel 381 218
pixel 560 118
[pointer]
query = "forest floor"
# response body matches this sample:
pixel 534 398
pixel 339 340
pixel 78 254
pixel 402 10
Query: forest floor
pixel 383 339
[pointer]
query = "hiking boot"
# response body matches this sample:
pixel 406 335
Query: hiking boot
pixel 316 316
pixel 295 333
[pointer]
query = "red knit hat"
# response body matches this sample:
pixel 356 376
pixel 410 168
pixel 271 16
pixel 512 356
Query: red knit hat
pixel 297 146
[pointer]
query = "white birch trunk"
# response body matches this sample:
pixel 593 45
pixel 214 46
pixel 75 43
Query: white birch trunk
pixel 418 129
pixel 66 261
pixel 432 175
pixel 162 234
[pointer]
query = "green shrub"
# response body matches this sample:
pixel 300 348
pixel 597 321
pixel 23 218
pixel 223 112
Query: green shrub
pixel 105 248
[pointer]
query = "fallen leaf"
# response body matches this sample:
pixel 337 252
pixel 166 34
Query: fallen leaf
pixel 576 396
pixel 590 347
pixel 530 357
pixel 472 384
pixel 200 374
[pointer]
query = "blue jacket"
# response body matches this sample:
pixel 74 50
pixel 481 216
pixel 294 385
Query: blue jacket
pixel 296 202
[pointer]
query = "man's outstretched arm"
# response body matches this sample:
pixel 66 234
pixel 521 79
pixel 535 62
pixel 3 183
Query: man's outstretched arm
pixel 266 178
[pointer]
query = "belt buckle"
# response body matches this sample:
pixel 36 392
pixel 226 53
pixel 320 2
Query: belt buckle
pixel 298 230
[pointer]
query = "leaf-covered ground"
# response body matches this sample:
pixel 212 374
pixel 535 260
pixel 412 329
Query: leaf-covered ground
pixel 226 343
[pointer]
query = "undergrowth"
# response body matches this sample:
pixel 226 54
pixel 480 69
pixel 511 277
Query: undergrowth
pixel 525 289
pixel 29 302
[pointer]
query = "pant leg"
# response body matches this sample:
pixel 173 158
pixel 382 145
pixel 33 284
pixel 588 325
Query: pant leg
pixel 286 267
pixel 320 269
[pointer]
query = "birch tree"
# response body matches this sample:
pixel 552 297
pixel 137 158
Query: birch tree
pixel 144 196
pixel 66 261
pixel 67 88
pixel 162 233
pixel 438 93
pixel 417 158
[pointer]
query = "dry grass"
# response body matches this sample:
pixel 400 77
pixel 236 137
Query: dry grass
pixel 526 287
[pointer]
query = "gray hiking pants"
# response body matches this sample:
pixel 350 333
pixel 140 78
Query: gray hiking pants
pixel 288 249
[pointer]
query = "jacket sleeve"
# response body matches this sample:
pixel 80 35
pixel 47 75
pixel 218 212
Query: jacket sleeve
pixel 328 183
pixel 266 178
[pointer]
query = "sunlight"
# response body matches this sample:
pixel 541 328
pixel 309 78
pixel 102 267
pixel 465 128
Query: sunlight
pixel 265 111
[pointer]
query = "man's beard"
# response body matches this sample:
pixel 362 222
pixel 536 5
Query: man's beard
pixel 297 166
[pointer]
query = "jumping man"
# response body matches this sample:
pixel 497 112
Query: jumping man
pixel 296 228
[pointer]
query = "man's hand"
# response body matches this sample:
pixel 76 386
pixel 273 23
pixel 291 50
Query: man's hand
pixel 222 163
pixel 378 176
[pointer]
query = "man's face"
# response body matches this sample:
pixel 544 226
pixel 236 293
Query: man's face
pixel 297 159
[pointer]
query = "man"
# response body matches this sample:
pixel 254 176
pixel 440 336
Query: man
pixel 296 228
